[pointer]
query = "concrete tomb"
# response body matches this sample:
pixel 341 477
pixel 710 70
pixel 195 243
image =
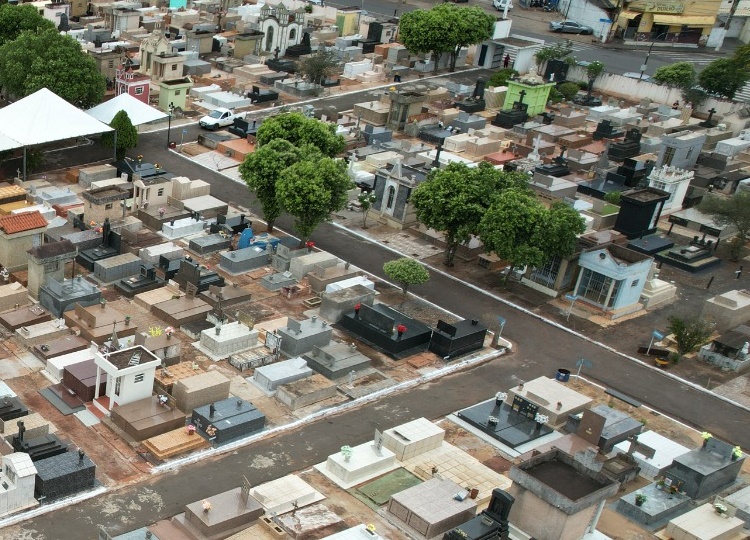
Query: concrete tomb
pixel 201 389
pixel 705 470
pixel 246 259
pixel 305 392
pixel 61 296
pixel 226 339
pixel 116 268
pixel 413 438
pixel 653 452
pixel 147 418
pixel 337 360
pixel 299 337
pixel 334 304
pixel 354 465
pixel 618 426
pixel 270 377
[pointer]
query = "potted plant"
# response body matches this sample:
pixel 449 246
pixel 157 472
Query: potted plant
pixel 127 320
pixel 736 453
pixel 720 509
pixel 706 436
pixel 190 429
pixel 660 483
pixel 206 505
pixel 168 331
pixel 400 329
pixel 640 498
pixel 347 452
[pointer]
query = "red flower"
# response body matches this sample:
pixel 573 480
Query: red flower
pixel 401 328
pixel 357 306
pixel 310 244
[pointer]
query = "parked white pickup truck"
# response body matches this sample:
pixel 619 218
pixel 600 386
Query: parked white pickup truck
pixel 219 118
pixel 500 4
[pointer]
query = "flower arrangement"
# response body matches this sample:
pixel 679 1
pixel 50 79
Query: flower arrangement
pixel 206 505
pixel 737 452
pixel 154 331
pixel 309 245
pixel 400 328
pixel 501 396
pixel 169 331
pixel 162 211
pixel 640 498
pixel 346 451
pixel 660 482
pixel 371 527
pixel 541 418
pixel 92 223
pixel 720 508
pixel 140 157
pixel 190 429
pixel 706 435
pixel 493 420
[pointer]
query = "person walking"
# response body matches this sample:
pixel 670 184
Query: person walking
pixel 506 61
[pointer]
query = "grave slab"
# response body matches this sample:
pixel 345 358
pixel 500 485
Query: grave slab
pixel 278 496
pixel 269 378
pixel 364 464
pixel 222 341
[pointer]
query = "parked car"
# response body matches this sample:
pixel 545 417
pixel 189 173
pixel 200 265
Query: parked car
pixel 219 118
pixel 500 4
pixel 637 75
pixel 570 27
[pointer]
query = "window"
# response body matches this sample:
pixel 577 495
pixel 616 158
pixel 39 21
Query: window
pixel 177 92
pixel 292 34
pixel 138 378
pixel 160 192
pixel 391 196
pixel 594 286
pixel 111 64
pixel 139 91
pixel 118 384
pixel 635 283
pixel 269 39
pixel 108 206
pixel 668 156
pixel 174 67
pixel 547 275
pixel 11 474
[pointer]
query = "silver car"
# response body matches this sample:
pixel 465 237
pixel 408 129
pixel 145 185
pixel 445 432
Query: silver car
pixel 570 27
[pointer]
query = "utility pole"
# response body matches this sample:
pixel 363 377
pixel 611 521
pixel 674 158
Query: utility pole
pixel 732 11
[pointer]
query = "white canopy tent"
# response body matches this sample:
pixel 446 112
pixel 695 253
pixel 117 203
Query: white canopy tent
pixel 138 112
pixel 44 117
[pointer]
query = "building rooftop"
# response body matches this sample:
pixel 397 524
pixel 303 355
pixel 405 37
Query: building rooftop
pixel 25 221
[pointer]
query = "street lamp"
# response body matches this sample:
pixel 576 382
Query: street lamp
pixel 169 123
pixel 648 54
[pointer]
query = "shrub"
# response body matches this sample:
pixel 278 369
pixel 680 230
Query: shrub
pixel 568 90
pixel 500 78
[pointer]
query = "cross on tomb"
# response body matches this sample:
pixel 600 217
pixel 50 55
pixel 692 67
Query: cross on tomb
pixel 521 94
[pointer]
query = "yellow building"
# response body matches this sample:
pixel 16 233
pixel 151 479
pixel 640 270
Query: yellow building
pixel 683 21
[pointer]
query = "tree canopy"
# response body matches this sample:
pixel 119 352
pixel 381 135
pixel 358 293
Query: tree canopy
pixel 444 29
pixel 15 19
pixel 300 130
pixel 678 75
pixel 406 272
pixel 454 199
pixel 261 171
pixel 127 134
pixel 318 66
pixel 688 333
pixel 311 190
pixel 734 211
pixel 563 225
pixel 724 77
pixel 48 59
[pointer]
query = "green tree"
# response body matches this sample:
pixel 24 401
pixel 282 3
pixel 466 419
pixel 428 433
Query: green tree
pixel 500 77
pixel 734 211
pixel 444 29
pixel 561 50
pixel 48 59
pixel 15 19
pixel 261 171
pixel 366 200
pixel 593 70
pixel 689 334
pixel 127 134
pixel 724 77
pixel 406 272
pixel 563 226
pixel 678 75
pixel 300 130
pixel 454 199
pixel 514 227
pixel 318 66
pixel 568 90
pixel 311 190
pixel 613 197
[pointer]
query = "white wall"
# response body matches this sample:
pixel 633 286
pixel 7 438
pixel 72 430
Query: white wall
pixel 586 13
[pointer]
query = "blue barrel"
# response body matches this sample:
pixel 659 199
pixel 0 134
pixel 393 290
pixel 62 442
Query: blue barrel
pixel 563 375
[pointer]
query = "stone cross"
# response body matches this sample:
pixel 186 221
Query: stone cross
pixel 633 443
pixel 708 122
pixel 521 95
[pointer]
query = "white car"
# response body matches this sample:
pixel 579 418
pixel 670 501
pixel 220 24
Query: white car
pixel 500 4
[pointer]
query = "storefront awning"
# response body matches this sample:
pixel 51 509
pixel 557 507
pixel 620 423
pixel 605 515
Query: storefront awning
pixel 684 20
pixel 625 14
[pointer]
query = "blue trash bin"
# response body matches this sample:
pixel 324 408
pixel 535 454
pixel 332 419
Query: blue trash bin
pixel 563 375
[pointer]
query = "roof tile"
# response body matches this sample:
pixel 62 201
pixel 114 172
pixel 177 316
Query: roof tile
pixel 24 221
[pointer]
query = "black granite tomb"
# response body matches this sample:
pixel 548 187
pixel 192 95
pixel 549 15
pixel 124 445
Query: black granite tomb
pixel 605 130
pixel 169 267
pixel 511 424
pixel 301 49
pixel 558 168
pixel 146 280
pixel 651 244
pixel 452 340
pixel 109 247
pixel 262 95
pixel 63 475
pixel 288 66
pixel 227 420
pixel 436 134
pixel 474 103
pixel 131 168
pixel 640 209
pixel 231 226
pixel 11 408
pixel 378 326
pixel 38 448
pixel 518 114
pixel 243 128
pixel 491 524
pixel 200 276
pixel 628 147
